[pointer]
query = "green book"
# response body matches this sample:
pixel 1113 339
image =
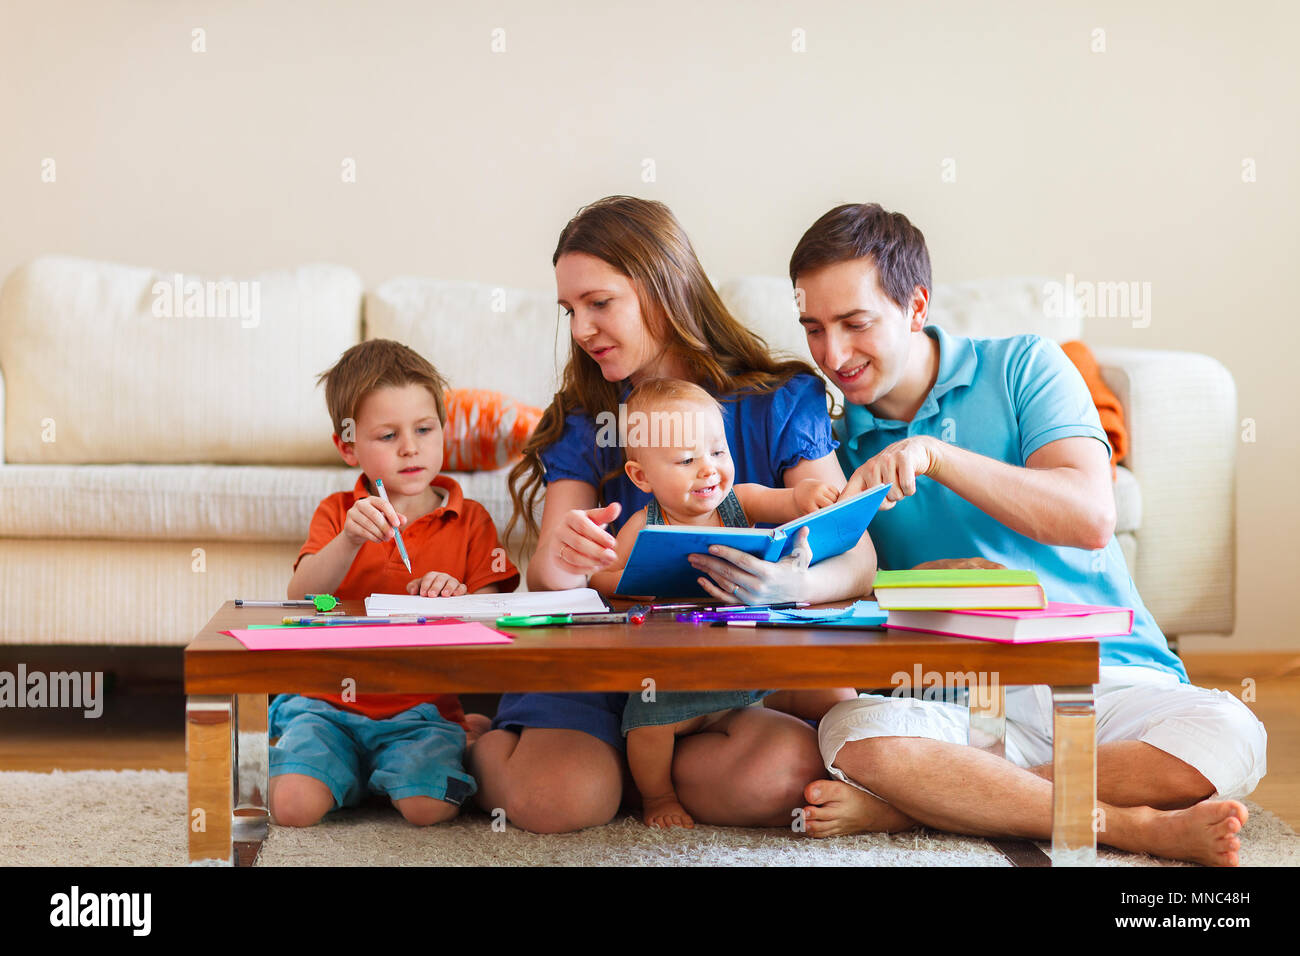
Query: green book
pixel 974 589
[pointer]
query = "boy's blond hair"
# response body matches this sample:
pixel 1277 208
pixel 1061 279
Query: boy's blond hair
pixel 372 365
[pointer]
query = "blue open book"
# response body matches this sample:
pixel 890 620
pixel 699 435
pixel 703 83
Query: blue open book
pixel 658 567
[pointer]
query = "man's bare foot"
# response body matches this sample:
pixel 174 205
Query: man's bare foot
pixel 476 725
pixel 666 813
pixel 837 809
pixel 1204 833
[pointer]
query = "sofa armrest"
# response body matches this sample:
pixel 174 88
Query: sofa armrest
pixel 2 416
pixel 1181 412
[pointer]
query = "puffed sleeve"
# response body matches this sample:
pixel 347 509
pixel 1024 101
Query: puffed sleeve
pixel 574 454
pixel 798 423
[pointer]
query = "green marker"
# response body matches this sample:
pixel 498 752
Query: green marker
pixel 634 616
pixel 321 602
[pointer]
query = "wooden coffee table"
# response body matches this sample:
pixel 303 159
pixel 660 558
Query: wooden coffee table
pixel 228 685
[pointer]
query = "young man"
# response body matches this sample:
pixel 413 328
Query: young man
pixel 995 450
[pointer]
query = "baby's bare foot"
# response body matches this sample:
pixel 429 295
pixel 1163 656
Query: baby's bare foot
pixel 665 813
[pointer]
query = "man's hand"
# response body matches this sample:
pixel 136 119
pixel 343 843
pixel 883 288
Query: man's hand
pixel 960 564
pixel 811 495
pixel 900 464
pixel 735 577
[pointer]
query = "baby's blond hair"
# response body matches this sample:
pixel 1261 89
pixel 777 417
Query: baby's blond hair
pixel 654 394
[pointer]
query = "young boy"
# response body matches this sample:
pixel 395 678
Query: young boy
pixel 387 408
pixel 677 450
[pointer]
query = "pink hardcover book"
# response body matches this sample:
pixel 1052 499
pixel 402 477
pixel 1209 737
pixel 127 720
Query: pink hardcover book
pixel 1056 622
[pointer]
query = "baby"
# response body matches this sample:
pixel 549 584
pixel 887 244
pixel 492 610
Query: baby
pixel 677 450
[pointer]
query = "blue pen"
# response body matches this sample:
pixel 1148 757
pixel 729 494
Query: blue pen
pixel 397 535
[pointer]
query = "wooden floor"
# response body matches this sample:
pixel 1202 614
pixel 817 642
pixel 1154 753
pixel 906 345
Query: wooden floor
pixel 143 725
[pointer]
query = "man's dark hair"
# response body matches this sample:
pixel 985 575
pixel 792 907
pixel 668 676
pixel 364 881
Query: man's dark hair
pixel 866 231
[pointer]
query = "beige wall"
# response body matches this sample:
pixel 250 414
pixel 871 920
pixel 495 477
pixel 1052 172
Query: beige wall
pixel 1118 165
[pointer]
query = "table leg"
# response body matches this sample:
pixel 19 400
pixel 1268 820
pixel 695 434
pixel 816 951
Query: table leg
pixel 988 718
pixel 209 748
pixel 1074 776
pixel 250 766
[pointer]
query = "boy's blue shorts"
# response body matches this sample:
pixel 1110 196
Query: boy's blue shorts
pixel 417 753
pixel 600 715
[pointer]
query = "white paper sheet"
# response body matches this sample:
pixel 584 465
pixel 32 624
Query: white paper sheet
pixel 487 607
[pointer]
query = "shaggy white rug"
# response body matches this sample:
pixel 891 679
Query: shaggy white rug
pixel 137 818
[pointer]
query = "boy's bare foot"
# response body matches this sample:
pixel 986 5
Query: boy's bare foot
pixel 837 809
pixel 666 813
pixel 1204 833
pixel 476 725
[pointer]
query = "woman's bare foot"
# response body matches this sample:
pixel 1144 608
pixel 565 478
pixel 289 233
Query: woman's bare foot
pixel 666 813
pixel 837 809
pixel 1204 833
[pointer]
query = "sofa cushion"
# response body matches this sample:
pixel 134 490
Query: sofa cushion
pixel 160 594
pixel 765 305
pixel 1128 501
pixel 985 308
pixel 1128 546
pixel 995 308
pixel 188 502
pixel 485 430
pixel 109 363
pixel 476 335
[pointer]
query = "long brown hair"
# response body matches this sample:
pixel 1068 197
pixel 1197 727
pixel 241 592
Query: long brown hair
pixel 643 240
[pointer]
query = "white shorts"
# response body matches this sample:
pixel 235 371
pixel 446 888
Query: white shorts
pixel 1210 729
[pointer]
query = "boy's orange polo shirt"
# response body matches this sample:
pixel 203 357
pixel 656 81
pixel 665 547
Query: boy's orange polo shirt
pixel 458 538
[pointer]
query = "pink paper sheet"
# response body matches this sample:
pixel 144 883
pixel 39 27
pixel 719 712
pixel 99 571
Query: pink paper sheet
pixel 320 636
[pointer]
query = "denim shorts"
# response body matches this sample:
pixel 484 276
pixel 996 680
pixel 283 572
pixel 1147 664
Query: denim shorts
pixel 417 753
pixel 673 706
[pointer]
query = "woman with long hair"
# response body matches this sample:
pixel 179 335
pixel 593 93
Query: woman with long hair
pixel 640 306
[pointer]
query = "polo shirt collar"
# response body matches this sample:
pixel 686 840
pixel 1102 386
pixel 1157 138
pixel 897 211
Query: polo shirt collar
pixel 455 497
pixel 957 362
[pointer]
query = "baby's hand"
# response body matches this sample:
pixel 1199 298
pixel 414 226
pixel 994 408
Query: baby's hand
pixel 811 494
pixel 436 584
pixel 371 519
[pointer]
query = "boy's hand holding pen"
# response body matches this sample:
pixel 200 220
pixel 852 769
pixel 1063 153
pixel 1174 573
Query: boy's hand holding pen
pixel 375 519
pixel 372 519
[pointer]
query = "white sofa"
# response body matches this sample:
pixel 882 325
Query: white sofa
pixel 157 465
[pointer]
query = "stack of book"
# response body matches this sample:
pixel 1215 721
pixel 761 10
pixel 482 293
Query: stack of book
pixel 1006 606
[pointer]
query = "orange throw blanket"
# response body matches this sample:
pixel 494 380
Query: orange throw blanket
pixel 1108 406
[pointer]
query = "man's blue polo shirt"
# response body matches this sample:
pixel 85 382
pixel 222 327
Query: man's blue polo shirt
pixel 1005 399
